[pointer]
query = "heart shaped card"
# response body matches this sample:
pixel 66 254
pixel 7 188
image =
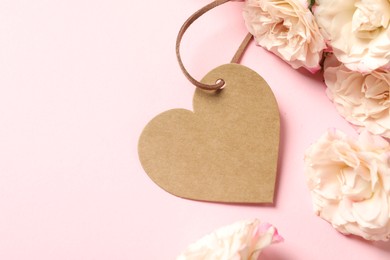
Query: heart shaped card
pixel 225 150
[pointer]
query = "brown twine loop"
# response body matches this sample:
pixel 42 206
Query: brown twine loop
pixel 220 83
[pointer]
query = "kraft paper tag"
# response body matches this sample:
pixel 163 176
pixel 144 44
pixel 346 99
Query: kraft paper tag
pixel 226 150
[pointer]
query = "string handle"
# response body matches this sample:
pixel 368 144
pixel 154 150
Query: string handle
pixel 220 83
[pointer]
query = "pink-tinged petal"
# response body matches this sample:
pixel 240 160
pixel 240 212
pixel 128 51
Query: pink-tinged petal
pixel 241 240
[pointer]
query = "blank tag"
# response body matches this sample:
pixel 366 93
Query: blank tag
pixel 226 150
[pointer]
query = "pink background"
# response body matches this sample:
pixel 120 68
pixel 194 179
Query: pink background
pixel 79 79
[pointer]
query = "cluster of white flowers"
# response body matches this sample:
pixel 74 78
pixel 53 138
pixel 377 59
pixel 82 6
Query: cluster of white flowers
pixel 352 36
pixel 350 39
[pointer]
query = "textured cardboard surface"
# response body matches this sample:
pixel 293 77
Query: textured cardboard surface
pixel 224 151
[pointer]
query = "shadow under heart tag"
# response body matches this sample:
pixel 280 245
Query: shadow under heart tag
pixel 226 150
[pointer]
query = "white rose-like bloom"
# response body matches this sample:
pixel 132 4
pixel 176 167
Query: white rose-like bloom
pixel 358 31
pixel 363 100
pixel 243 240
pixel 288 29
pixel 349 182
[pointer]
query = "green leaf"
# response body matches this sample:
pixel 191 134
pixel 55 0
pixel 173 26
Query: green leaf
pixel 311 3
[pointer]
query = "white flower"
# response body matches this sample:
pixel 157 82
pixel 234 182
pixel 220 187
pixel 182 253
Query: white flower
pixel 358 31
pixel 362 99
pixel 288 29
pixel 350 183
pixel 243 240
